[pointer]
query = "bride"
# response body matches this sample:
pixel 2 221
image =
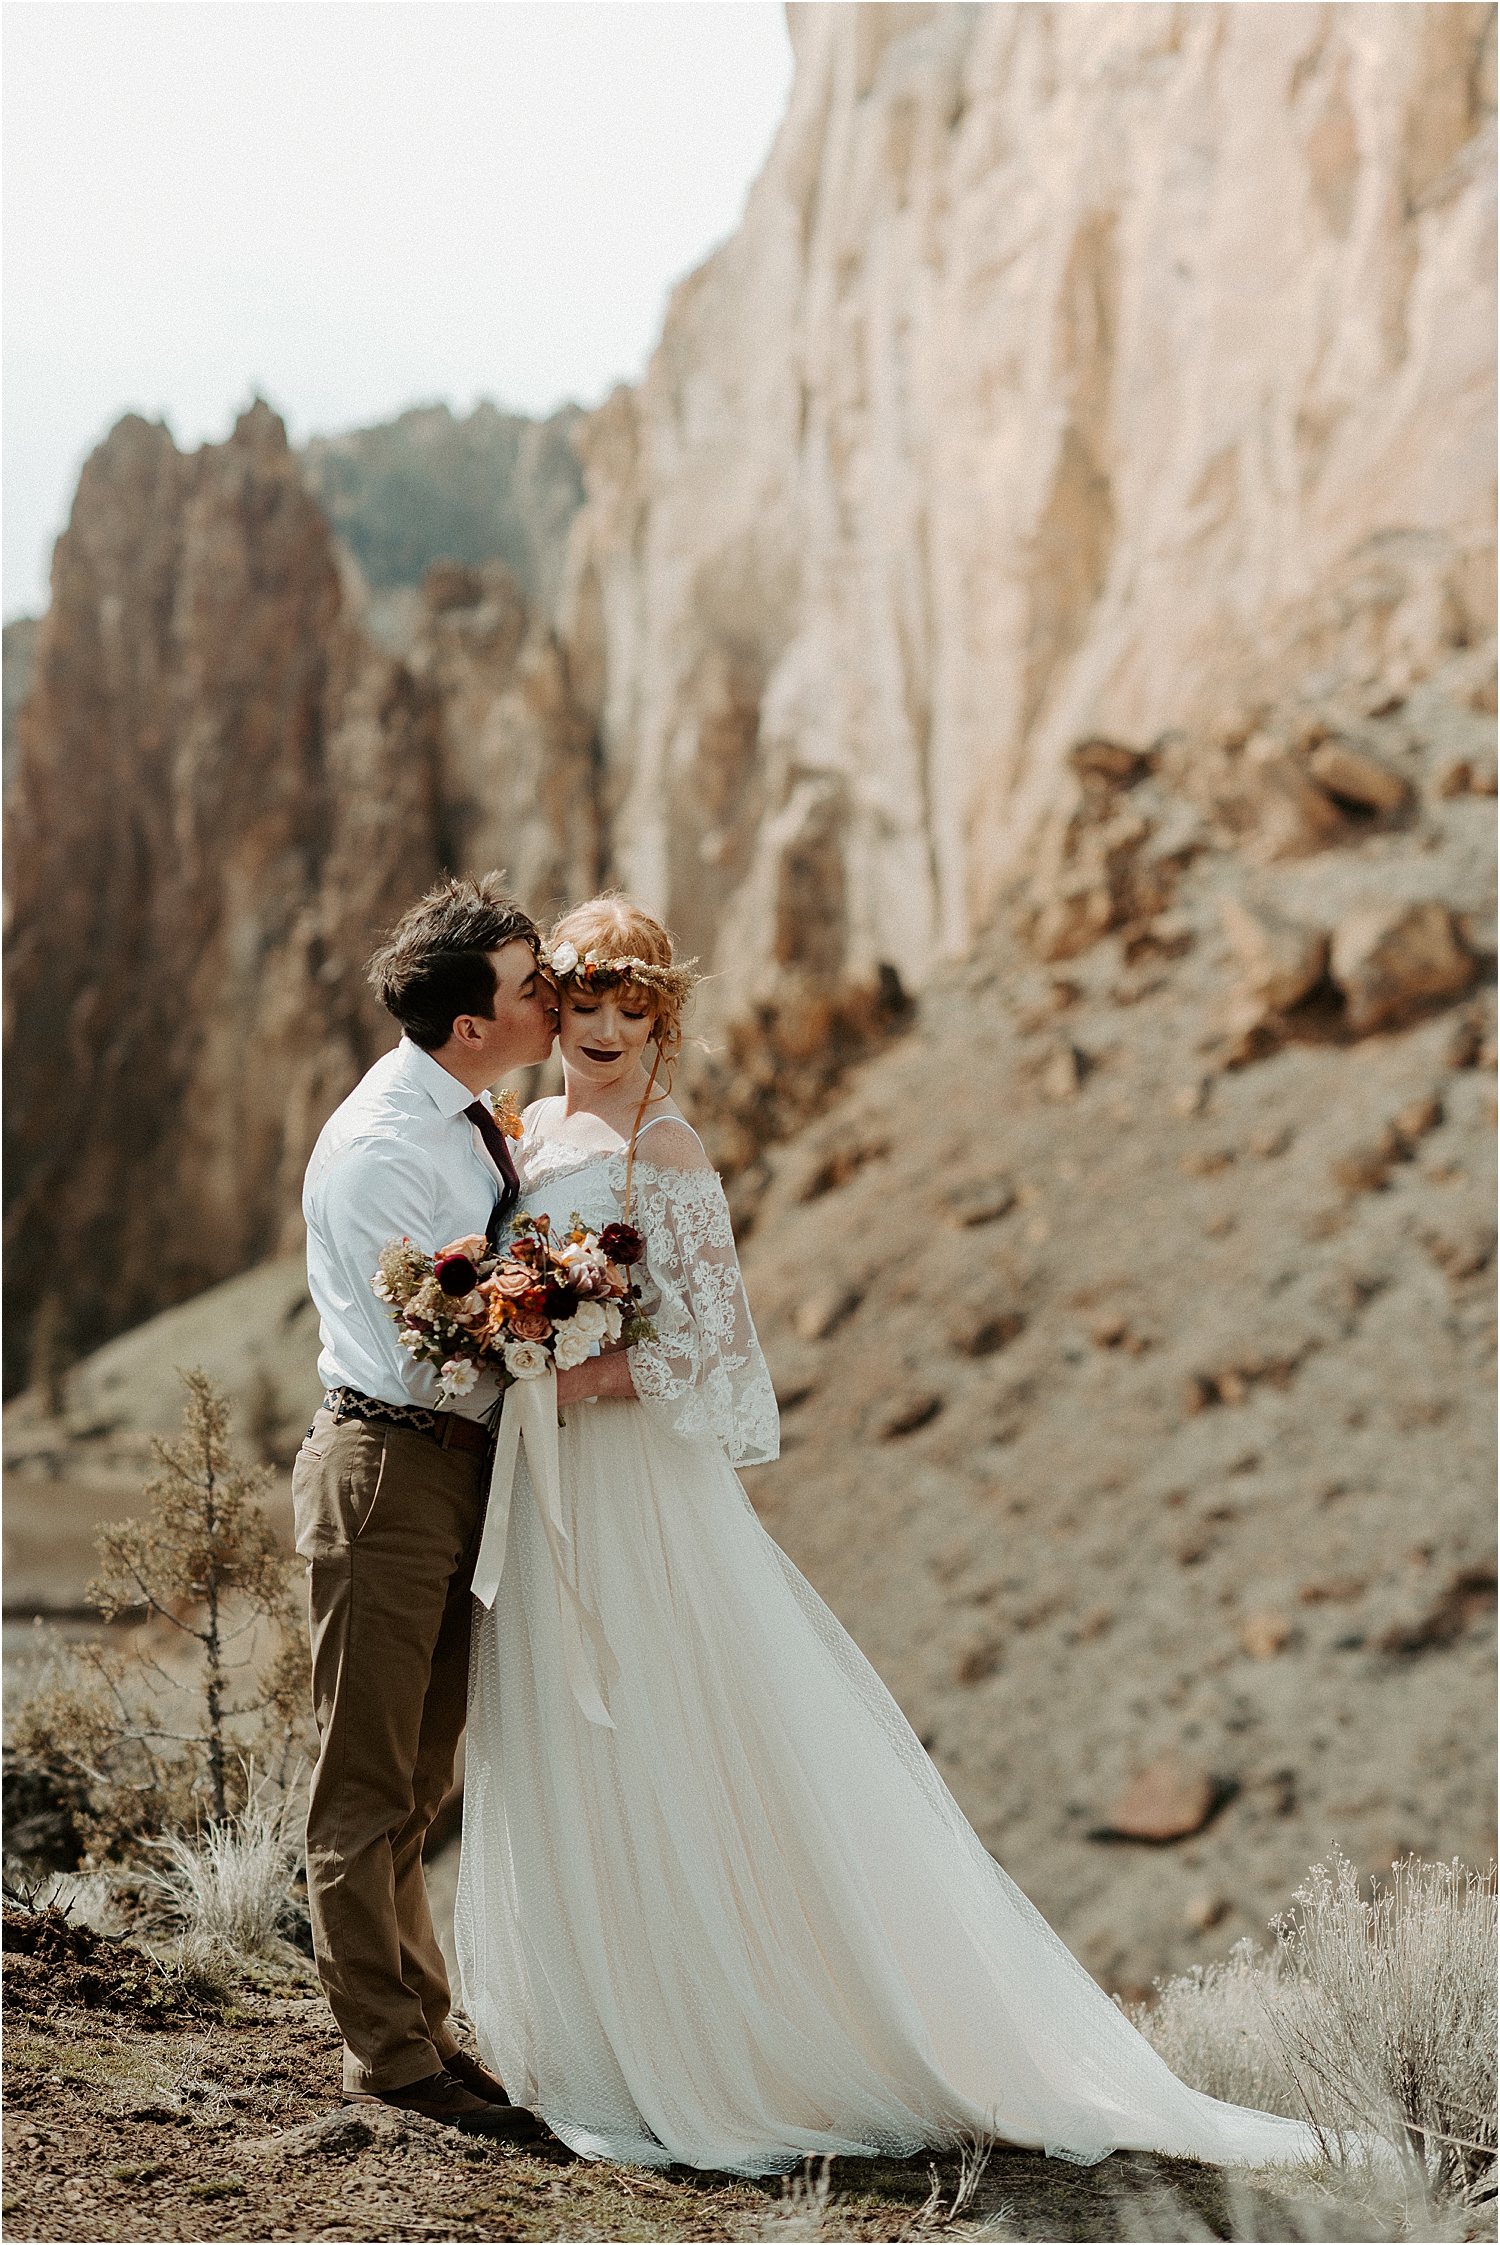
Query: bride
pixel 715 1904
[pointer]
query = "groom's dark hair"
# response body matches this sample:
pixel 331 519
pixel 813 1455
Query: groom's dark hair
pixel 432 967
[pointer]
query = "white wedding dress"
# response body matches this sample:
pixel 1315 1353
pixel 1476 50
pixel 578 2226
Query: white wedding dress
pixel 747 1923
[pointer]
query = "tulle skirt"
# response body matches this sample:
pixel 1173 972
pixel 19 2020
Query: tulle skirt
pixel 749 1923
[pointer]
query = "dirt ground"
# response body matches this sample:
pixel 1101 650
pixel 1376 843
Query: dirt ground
pixel 129 2116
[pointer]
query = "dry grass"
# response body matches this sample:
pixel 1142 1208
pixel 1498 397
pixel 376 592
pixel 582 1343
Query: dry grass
pixel 1375 2019
pixel 229 1889
pixel 1386 2017
pixel 1213 2027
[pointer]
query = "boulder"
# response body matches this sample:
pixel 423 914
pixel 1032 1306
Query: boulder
pixel 982 1203
pixel 1389 959
pixel 1292 815
pixel 1063 1073
pixel 1353 775
pixel 1168 1801
pixel 983 1331
pixel 1265 1635
pixel 1280 960
pixel 908 1412
pixel 821 1313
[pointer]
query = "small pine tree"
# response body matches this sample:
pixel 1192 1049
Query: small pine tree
pixel 206 1561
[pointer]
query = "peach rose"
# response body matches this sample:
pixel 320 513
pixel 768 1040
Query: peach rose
pixel 472 1245
pixel 511 1278
pixel 530 1325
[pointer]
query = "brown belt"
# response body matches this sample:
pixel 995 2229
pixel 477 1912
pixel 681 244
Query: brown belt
pixel 447 1429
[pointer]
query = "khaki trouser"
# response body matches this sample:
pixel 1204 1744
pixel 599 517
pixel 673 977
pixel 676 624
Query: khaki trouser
pixel 389 1525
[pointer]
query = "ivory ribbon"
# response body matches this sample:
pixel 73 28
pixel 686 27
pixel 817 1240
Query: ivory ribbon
pixel 529 1413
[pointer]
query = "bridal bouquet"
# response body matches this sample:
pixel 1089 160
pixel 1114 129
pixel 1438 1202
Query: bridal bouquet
pixel 539 1304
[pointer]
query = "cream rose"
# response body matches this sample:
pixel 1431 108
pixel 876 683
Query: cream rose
pixel 459 1376
pixel 564 959
pixel 588 1319
pixel 526 1360
pixel 573 1347
pixel 613 1321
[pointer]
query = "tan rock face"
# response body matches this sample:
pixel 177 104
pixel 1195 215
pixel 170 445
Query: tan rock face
pixel 1077 372
pixel 515 769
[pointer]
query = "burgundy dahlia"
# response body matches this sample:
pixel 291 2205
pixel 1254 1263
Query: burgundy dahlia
pixel 622 1243
pixel 455 1274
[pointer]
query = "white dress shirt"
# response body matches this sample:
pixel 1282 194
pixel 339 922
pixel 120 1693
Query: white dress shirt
pixel 398 1160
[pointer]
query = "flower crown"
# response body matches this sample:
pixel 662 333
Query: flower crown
pixel 591 973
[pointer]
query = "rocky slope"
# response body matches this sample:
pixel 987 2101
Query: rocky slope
pixel 1075 369
pixel 1133 1322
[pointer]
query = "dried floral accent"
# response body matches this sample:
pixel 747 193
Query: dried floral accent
pixel 508 1114
pixel 593 975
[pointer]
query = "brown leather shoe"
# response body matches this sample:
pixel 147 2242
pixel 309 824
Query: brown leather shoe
pixel 477 2079
pixel 442 2097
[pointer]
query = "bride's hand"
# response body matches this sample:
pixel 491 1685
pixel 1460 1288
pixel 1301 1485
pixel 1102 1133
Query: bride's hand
pixel 605 1375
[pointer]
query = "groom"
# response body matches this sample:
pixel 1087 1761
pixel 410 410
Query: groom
pixel 389 1490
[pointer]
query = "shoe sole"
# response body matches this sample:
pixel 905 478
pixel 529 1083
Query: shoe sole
pixel 502 2121
pixel 512 2123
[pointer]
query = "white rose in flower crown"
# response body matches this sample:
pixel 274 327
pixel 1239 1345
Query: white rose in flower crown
pixel 564 959
pixel 526 1360
pixel 588 1319
pixel 573 1347
pixel 459 1376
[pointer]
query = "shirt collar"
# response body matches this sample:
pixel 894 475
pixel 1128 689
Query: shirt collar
pixel 447 1094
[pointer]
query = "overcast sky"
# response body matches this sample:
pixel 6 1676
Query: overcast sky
pixel 352 206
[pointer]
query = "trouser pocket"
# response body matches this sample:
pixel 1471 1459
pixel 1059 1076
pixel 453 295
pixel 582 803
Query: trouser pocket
pixel 336 1483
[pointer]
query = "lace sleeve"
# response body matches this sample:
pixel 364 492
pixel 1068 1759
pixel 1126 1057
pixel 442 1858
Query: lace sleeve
pixel 704 1371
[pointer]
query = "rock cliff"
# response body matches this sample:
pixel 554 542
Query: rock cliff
pixel 221 789
pixel 1077 370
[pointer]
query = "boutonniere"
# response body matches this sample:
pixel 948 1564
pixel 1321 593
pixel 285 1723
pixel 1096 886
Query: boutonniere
pixel 508 1114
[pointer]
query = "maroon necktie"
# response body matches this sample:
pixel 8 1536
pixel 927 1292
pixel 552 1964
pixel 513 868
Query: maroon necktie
pixel 498 1149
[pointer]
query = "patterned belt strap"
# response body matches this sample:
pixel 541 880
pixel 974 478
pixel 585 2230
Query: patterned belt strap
pixel 348 1403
